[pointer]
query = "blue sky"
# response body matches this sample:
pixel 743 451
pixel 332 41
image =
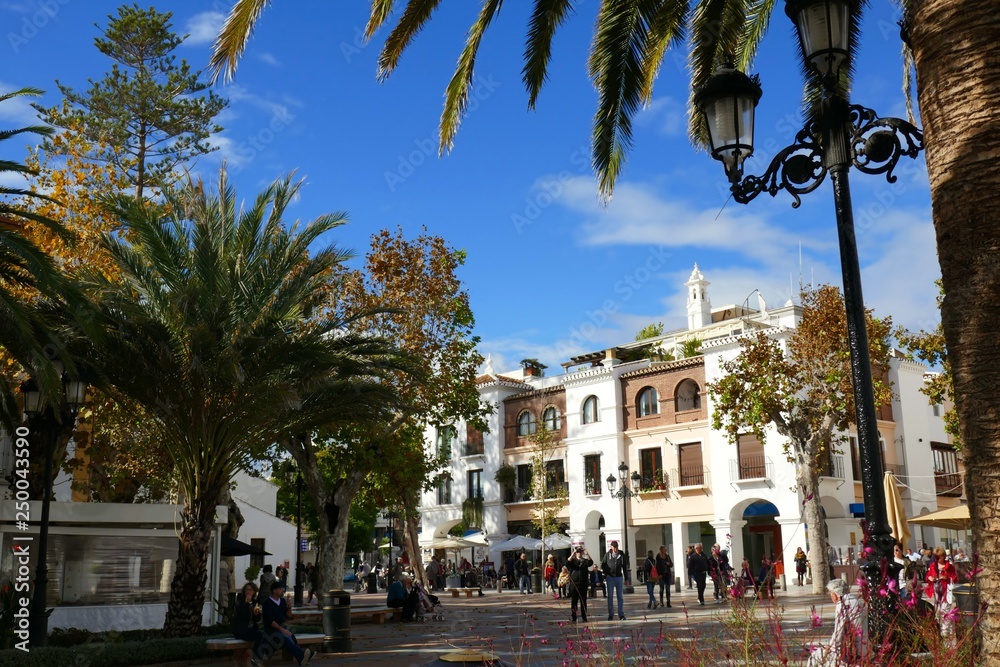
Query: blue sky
pixel 551 271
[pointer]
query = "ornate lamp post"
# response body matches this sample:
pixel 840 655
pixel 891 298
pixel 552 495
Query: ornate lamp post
pixel 625 493
pixel 841 135
pixel 43 417
pixel 298 541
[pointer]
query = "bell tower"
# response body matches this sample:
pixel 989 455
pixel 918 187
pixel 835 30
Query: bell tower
pixel 698 305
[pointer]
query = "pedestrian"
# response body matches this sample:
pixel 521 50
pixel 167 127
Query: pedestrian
pixel 850 630
pixel 613 566
pixel 579 565
pixel 246 619
pixel 266 579
pixel 665 568
pixel 551 574
pixel 800 566
pixel 687 566
pixel 698 569
pixel 275 613
pixel 402 595
pixel 833 557
pixel 652 578
pixel 563 582
pixel 510 576
pixel 432 572
pixel 521 569
pixel 765 579
pixel 313 572
pixel 941 579
pixel 717 566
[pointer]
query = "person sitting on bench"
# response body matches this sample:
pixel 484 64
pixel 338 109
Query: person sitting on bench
pixel 275 611
pixel 246 618
pixel 402 595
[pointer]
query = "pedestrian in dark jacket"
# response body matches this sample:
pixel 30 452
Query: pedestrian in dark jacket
pixel 665 567
pixel 698 568
pixel 579 565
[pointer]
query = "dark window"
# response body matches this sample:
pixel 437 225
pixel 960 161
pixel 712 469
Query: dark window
pixel 551 418
pixel 475 484
pixel 258 558
pixel 650 467
pixel 752 464
pixel 688 396
pixel 592 474
pixel 591 410
pixel 689 460
pixel 444 490
pixel 445 438
pixel 522 489
pixel 648 402
pixel 473 441
pixel 526 424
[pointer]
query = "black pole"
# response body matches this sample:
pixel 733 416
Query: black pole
pixel 39 623
pixel 878 532
pixel 298 542
pixel 626 495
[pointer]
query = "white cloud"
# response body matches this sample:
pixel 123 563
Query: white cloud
pixel 667 115
pixel 268 58
pixel 638 215
pixel 202 28
pixel 17 111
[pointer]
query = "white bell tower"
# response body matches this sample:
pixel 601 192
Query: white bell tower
pixel 698 306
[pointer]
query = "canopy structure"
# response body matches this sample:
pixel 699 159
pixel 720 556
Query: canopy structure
pixel 557 541
pixel 519 542
pixel 233 547
pixel 894 509
pixel 477 538
pixel 452 542
pixel 954 518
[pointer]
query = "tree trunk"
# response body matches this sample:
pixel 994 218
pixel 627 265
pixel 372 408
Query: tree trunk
pixel 958 84
pixel 416 559
pixel 187 590
pixel 812 508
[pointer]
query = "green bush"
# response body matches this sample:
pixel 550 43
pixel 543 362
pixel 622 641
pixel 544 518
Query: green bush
pixel 124 654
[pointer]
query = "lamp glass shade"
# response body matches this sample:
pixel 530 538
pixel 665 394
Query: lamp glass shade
pixel 612 482
pixel 33 403
pixel 623 470
pixel 636 478
pixel 824 31
pixel 76 393
pixel 728 100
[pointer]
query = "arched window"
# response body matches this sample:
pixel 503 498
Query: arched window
pixel 526 424
pixel 648 402
pixel 551 418
pixel 591 410
pixel 688 396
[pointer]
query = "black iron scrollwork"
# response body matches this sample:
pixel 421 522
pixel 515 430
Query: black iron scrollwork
pixel 798 169
pixel 878 143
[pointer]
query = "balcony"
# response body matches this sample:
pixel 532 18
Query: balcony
pixel 471 448
pixel 592 487
pixel 898 470
pixel 834 468
pixel 751 472
pixel 948 484
pixel 516 494
pixel 689 479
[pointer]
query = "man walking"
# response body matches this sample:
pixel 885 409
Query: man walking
pixel 687 567
pixel 579 565
pixel 521 570
pixel 613 566
pixel 698 568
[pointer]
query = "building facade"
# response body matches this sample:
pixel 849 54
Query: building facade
pixel 623 408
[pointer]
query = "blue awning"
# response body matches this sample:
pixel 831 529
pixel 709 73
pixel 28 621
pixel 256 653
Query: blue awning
pixel 857 510
pixel 761 508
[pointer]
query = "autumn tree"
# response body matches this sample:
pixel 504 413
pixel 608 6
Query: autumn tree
pixel 150 113
pixel 408 292
pixel 806 395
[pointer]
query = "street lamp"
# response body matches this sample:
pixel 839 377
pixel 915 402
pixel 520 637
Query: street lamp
pixel 41 413
pixel 298 541
pixel 625 493
pixel 840 135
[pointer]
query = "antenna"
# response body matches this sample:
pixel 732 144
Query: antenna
pixel 800 267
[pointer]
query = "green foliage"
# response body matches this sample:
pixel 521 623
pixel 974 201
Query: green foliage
pixel 549 500
pixel 650 331
pixel 533 364
pixel 691 348
pixel 252 572
pixel 149 113
pixel 505 475
pixel 472 512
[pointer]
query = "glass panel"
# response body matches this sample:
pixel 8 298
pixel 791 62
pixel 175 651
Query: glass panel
pixel 823 29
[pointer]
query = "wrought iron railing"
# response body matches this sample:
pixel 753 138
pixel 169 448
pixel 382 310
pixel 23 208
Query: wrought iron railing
pixel 690 476
pixel 834 467
pixel 472 448
pixel 948 483
pixel 751 467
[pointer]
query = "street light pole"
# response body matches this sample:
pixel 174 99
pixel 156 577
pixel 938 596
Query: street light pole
pixel 842 135
pixel 625 493
pixel 298 541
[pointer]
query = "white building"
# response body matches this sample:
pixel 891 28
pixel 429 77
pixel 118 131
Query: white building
pixel 620 406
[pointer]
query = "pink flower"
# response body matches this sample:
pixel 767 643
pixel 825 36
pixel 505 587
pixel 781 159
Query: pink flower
pixel 816 620
pixel 869 550
pixel 544 641
pixel 951 615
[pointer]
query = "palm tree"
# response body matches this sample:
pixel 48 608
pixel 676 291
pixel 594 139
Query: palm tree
pixel 214 329
pixel 957 65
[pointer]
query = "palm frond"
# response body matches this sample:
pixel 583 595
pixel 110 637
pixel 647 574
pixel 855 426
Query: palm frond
pixel 415 15
pixel 666 29
pixel 381 10
pixel 456 97
pixel 759 15
pixel 232 40
pixel 716 30
pixel 546 18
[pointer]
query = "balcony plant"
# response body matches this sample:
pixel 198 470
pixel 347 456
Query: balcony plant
pixel 505 475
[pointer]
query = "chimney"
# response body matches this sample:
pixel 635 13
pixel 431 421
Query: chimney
pixel 610 359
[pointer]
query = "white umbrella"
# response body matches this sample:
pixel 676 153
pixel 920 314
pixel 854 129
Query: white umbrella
pixel 557 541
pixel 519 542
pixel 451 542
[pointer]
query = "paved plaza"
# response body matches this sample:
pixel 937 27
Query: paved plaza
pixel 536 630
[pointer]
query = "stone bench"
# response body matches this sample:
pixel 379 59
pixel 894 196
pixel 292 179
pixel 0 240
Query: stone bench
pixel 468 591
pixel 242 649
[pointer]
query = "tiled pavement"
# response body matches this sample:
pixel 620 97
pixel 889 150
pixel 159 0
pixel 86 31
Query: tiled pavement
pixel 535 629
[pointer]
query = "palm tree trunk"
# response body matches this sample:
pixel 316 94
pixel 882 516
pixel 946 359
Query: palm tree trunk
pixel 187 590
pixel 958 79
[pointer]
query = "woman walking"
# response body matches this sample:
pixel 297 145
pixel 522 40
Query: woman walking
pixel 665 568
pixel 800 565
pixel 652 577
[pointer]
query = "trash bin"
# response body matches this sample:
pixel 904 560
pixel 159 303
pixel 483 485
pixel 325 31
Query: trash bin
pixel 967 599
pixel 372 584
pixel 453 581
pixel 536 581
pixel 337 622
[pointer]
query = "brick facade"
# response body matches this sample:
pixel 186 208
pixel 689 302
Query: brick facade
pixel 665 379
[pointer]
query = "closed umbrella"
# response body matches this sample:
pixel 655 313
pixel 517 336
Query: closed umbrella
pixel 894 509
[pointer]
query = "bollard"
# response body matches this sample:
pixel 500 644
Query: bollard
pixel 337 622
pixel 677 584
pixel 784 585
pixel 372 583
